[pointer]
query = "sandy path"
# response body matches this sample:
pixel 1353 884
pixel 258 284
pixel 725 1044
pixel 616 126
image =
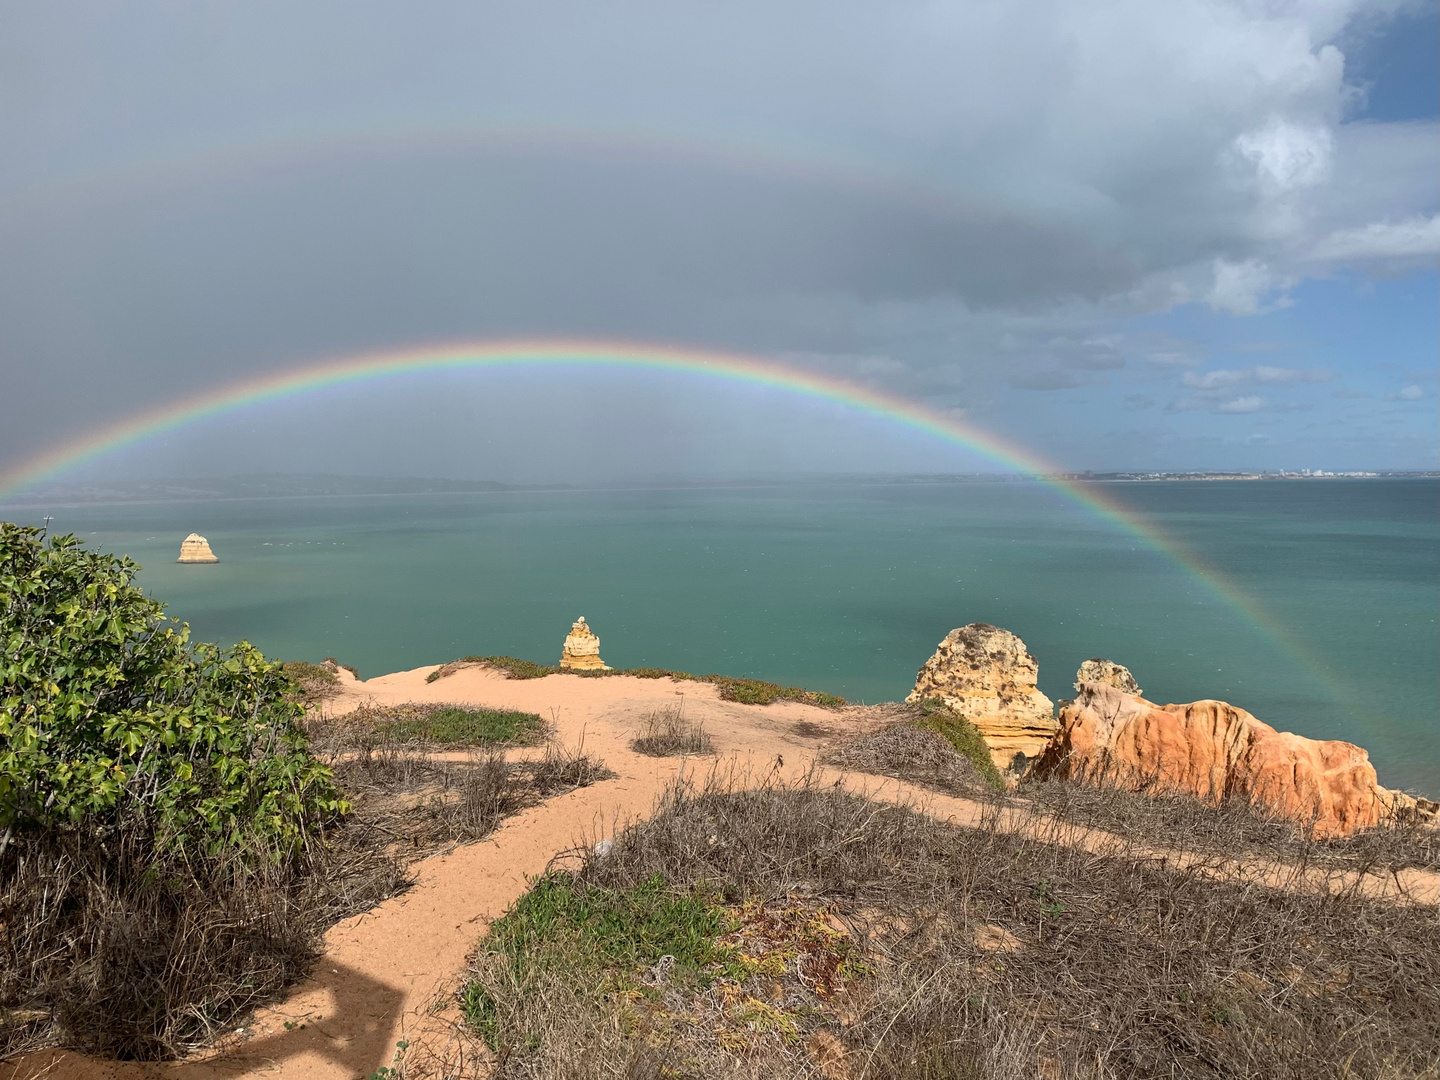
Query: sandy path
pixel 385 971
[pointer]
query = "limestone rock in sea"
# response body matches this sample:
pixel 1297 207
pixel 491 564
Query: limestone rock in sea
pixel 987 676
pixel 1108 672
pixel 1214 750
pixel 582 649
pixel 196 549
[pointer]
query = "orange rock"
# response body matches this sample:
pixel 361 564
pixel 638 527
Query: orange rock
pixel 1213 750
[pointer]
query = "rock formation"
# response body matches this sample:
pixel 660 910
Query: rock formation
pixel 1213 750
pixel 1109 673
pixel 986 675
pixel 582 649
pixel 195 548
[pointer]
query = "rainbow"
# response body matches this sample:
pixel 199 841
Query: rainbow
pixel 600 354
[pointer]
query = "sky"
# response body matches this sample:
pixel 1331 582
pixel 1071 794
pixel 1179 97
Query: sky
pixel 1121 235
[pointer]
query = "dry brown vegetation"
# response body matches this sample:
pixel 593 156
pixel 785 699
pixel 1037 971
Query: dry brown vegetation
pixel 1234 827
pixel 123 953
pixel 803 931
pixel 910 753
pixel 668 734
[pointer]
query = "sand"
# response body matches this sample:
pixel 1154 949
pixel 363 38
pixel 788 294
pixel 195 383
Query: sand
pixel 388 975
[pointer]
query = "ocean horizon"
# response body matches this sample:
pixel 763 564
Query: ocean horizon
pixel 1312 604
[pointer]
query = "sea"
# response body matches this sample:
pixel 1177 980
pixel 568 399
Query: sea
pixel 1320 616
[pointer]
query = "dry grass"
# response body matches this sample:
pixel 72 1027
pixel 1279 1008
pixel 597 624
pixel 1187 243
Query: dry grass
pixel 1233 828
pixel 113 949
pixel 668 734
pixel 802 931
pixel 110 949
pixel 919 755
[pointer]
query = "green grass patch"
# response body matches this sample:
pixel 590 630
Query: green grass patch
pixel 964 736
pixel 756 692
pixel 598 940
pixel 458 725
pixel 512 667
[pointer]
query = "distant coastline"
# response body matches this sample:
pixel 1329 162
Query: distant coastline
pixel 325 485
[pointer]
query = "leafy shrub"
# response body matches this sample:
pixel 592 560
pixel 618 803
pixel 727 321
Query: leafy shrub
pixel 158 803
pixel 111 718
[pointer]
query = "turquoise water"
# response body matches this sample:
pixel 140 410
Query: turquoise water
pixel 847 588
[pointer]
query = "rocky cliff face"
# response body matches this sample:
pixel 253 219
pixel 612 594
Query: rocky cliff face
pixel 582 649
pixel 986 675
pixel 1214 750
pixel 196 549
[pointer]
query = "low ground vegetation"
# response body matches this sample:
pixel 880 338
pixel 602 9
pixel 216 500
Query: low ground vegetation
pixel 801 931
pixel 666 733
pixel 929 745
pixel 410 804
pixel 314 683
pixel 745 691
pixel 434 725
pixel 1234 827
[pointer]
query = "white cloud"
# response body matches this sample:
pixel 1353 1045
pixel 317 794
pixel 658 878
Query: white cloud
pixel 1416 236
pixel 1264 373
pixel 1288 155
pixel 1214 380
pixel 1408 393
pixel 1241 286
pixel 1248 404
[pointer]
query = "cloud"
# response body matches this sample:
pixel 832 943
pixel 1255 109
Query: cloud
pixel 1248 404
pixel 1288 155
pixel 956 202
pixel 1407 393
pixel 1215 380
pixel 1240 287
pixel 1266 374
pixel 1415 237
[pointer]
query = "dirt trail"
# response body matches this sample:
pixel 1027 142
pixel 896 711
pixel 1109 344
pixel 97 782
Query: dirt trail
pixel 388 975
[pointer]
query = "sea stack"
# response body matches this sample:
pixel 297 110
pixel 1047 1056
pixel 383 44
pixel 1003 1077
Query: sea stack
pixel 988 676
pixel 582 649
pixel 1109 673
pixel 196 549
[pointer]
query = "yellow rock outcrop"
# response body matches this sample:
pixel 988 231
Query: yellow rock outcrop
pixel 988 676
pixel 582 649
pixel 196 549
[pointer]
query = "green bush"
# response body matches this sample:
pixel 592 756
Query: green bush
pixel 964 736
pixel 111 719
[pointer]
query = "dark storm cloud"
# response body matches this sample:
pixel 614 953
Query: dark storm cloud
pixel 951 201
